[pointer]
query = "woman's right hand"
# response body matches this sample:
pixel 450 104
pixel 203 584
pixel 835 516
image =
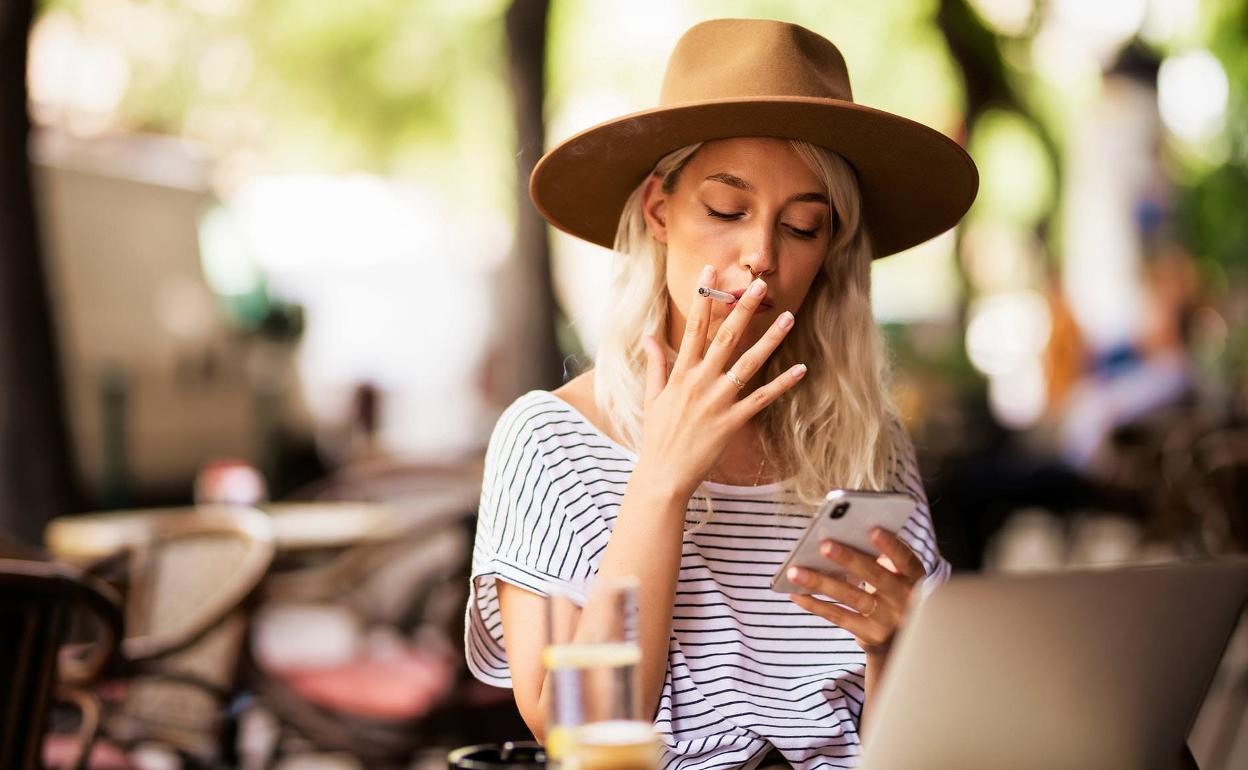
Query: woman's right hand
pixel 691 414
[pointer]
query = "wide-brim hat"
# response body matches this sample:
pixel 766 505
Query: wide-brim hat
pixel 753 77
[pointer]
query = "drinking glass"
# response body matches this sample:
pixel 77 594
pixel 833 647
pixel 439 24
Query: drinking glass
pixel 595 720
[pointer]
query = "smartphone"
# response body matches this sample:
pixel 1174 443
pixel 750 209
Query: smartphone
pixel 847 517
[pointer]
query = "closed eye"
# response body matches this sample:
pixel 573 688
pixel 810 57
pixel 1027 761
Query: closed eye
pixel 732 216
pixel 710 212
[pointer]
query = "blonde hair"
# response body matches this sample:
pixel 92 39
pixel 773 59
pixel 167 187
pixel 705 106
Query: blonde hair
pixel 832 430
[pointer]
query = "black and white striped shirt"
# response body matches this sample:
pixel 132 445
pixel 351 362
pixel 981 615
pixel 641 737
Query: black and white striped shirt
pixel 747 668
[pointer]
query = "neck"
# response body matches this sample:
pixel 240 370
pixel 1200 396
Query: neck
pixel 742 461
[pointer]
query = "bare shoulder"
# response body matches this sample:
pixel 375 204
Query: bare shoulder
pixel 579 394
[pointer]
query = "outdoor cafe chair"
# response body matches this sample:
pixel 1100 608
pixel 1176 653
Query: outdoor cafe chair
pixel 39 668
pixel 188 575
pixel 409 588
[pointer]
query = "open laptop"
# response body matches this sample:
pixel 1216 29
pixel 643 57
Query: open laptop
pixel 1096 669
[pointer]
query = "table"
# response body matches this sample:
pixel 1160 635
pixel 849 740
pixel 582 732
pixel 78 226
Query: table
pixel 297 526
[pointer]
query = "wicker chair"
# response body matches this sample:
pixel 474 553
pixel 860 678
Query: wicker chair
pixel 412 583
pixel 187 581
pixel 37 601
pixel 399 585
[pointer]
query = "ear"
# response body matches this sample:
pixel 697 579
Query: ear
pixel 654 208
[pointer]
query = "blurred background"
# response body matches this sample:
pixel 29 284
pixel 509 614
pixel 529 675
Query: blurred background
pixel 281 254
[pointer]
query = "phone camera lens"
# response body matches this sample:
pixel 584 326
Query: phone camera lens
pixel 839 511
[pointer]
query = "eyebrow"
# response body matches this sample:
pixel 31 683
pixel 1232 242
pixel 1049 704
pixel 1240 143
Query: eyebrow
pixel 735 181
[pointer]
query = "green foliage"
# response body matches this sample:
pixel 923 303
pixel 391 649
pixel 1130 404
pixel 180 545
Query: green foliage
pixel 378 72
pixel 313 85
pixel 1016 178
pixel 1212 202
pixel 1213 221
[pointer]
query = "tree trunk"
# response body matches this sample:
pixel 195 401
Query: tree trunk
pixel 529 308
pixel 977 52
pixel 36 476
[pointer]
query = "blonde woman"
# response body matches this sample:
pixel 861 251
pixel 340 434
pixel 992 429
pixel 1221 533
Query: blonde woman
pixel 690 457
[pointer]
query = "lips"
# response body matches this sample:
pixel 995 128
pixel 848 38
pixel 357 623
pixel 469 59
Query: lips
pixel 737 294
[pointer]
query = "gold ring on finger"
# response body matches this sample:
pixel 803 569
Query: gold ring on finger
pixel 875 604
pixel 734 379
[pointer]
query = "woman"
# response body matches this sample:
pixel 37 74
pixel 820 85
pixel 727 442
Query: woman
pixel 690 456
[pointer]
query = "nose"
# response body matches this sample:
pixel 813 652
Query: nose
pixel 758 254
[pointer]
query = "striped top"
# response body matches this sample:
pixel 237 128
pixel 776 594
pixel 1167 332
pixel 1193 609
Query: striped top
pixel 747 668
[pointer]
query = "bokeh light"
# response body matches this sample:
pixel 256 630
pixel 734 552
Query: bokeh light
pixel 1192 94
pixel 1016 183
pixel 1007 331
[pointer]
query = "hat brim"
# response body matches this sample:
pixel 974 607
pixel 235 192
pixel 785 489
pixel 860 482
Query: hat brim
pixel 916 182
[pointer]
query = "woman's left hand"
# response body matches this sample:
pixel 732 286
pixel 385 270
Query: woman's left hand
pixel 872 616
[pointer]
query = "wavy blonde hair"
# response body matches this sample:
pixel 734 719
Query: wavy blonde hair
pixel 830 431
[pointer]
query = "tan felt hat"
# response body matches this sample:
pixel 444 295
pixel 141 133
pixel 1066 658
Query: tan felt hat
pixel 752 77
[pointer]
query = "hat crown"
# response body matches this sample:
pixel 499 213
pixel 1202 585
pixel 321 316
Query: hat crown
pixel 750 58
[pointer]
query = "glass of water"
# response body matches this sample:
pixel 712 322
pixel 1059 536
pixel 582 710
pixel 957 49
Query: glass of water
pixel 595 720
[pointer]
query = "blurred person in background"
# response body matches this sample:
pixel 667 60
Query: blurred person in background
pixel 1149 367
pixel 1138 378
pixel 690 457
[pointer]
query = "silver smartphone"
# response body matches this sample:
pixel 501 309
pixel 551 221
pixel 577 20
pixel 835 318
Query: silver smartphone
pixel 847 517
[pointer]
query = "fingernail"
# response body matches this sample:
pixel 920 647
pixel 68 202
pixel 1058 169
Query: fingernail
pixel 798 371
pixel 785 320
pixel 831 549
pixel 877 533
pixel 708 273
pixel 758 287
pixel 797 575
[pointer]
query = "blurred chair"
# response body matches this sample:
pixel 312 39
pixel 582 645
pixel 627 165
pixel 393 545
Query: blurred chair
pixel 1220 463
pixel 356 654
pixel 188 582
pixel 1171 468
pixel 38 668
pixel 394 681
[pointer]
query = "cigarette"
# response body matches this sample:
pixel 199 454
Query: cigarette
pixel 716 294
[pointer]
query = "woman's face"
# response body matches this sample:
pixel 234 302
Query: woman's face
pixel 741 205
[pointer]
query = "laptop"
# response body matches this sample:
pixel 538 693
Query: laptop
pixel 1103 668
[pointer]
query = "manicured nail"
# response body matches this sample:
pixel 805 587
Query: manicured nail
pixel 831 549
pixel 797 575
pixel 798 371
pixel 785 320
pixel 758 287
pixel 708 273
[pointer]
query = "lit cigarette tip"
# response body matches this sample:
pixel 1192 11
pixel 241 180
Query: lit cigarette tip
pixel 716 294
